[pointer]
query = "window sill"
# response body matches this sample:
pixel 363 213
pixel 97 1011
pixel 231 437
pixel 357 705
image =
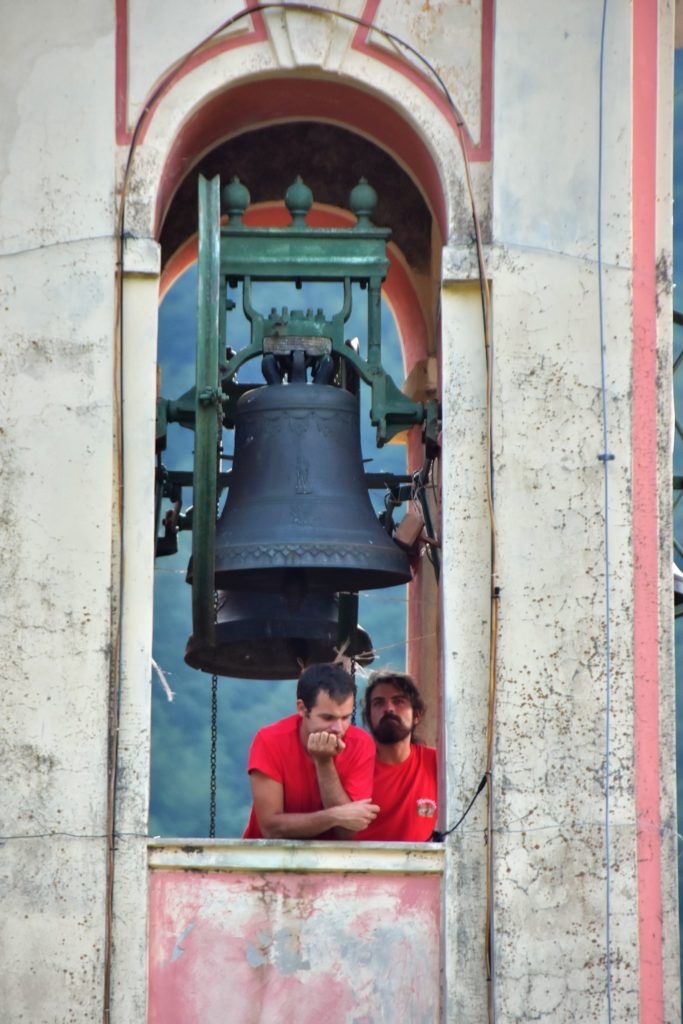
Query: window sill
pixel 295 855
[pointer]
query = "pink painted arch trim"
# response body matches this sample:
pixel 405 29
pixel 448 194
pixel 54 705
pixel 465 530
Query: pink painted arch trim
pixel 645 525
pixel 124 133
pixel 480 151
pixel 286 98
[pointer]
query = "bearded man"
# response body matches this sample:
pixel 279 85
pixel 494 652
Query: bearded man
pixel 405 780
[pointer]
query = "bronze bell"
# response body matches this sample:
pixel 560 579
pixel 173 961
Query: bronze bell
pixel 298 516
pixel 259 637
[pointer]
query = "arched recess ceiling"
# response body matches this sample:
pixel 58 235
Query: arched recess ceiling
pixel 330 159
pixel 284 101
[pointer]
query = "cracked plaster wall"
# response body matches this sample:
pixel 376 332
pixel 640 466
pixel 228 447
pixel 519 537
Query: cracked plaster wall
pixel 57 208
pixel 56 300
pixel 549 878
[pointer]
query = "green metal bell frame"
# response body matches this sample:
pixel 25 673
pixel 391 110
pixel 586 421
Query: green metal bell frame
pixel 235 253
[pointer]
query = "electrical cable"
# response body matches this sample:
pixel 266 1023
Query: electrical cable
pixel 73 835
pixel 438 837
pixel 116 664
pixel 562 828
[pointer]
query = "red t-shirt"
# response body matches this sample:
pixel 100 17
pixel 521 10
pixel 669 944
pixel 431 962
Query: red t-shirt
pixel 278 752
pixel 406 794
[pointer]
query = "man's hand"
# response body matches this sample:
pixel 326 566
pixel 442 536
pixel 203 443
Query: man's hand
pixel 356 815
pixel 323 745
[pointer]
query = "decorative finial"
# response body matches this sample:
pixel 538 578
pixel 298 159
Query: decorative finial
pixel 298 200
pixel 235 199
pixel 363 200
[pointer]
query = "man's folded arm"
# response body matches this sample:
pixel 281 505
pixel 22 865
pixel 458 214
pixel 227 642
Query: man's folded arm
pixel 275 823
pixel 333 795
pixel 323 748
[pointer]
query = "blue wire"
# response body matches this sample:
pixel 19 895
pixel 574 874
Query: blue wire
pixel 605 457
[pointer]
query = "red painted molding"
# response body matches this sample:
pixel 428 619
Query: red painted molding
pixel 121 80
pixel 285 98
pixel 124 133
pixel 645 526
pixel 480 151
pixel 476 152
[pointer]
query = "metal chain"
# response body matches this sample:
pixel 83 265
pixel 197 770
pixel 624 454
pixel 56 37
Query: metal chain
pixel 352 670
pixel 214 738
pixel 212 758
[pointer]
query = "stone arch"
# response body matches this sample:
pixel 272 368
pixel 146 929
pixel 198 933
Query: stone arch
pixel 220 98
pixel 200 113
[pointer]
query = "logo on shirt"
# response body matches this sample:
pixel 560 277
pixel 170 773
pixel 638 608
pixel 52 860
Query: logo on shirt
pixel 425 808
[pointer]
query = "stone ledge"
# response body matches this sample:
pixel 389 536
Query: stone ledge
pixel 295 855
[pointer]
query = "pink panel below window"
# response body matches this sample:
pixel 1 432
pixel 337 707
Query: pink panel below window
pixel 283 948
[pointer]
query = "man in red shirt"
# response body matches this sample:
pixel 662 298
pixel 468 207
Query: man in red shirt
pixel 405 784
pixel 311 773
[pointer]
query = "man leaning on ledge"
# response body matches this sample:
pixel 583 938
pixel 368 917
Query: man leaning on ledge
pixel 312 773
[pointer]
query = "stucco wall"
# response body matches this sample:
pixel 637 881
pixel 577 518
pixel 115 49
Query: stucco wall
pixel 57 253
pixel 527 80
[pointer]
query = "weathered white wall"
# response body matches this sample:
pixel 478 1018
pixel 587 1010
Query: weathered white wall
pixel 550 887
pixel 56 284
pixel 548 879
pixel 59 527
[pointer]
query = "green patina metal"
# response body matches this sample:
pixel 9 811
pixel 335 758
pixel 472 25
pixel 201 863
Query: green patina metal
pixel 235 253
pixel 298 253
pixel 208 414
pixel 295 253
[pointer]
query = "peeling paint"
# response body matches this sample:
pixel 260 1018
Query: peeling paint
pixel 310 947
pixel 282 949
pixel 178 949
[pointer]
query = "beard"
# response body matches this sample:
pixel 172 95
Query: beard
pixel 390 730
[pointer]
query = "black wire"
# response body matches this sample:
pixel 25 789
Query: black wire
pixel 438 837
pixel 75 835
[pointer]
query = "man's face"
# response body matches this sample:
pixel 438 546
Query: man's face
pixel 391 714
pixel 326 715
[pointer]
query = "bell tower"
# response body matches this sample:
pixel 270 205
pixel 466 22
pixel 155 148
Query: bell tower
pixel 521 155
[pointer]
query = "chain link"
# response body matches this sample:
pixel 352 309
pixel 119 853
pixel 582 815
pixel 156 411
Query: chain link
pixel 352 670
pixel 212 757
pixel 214 739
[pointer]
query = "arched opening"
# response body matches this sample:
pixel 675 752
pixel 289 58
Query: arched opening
pixel 181 729
pixel 331 159
pixel 287 100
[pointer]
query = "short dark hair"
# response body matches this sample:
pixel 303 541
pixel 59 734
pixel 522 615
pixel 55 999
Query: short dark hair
pixel 331 678
pixel 402 681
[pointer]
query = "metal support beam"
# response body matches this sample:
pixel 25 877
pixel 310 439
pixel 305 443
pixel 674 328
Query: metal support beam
pixel 208 412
